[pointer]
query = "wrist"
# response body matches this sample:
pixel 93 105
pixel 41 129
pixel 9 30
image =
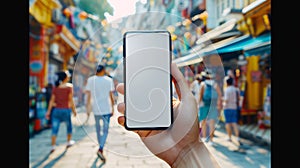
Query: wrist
pixel 183 153
pixel 195 154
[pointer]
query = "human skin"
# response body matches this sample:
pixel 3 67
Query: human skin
pixel 189 144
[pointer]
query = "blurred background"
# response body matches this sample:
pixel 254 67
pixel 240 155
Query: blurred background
pixel 224 35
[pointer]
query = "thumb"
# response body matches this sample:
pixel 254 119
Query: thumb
pixel 181 86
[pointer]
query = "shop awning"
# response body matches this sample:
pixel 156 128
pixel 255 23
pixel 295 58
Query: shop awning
pixel 225 27
pixel 190 59
pixel 64 35
pixel 251 46
pixel 255 7
pixel 69 38
pixel 245 43
pixel 225 30
pixel 68 44
pixel 196 56
pixel 260 49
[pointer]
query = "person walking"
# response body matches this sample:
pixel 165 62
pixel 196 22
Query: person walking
pixel 195 86
pixel 61 105
pixel 99 90
pixel 230 106
pixel 210 96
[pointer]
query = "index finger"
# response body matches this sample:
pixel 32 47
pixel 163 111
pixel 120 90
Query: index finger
pixel 120 88
pixel 180 82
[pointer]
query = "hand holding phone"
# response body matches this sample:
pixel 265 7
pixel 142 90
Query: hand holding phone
pixel 167 144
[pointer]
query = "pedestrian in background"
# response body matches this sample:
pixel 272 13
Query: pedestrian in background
pixel 61 105
pixel 229 73
pixel 230 106
pixel 211 96
pixel 99 90
pixel 48 93
pixel 88 111
pixel 195 86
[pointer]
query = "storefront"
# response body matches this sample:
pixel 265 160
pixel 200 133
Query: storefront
pixel 38 67
pixel 258 68
pixel 252 48
pixel 259 89
pixel 43 65
pixel 253 51
pixel 38 57
pixel 51 48
pixel 39 34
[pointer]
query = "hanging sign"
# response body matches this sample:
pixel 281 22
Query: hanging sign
pixel 36 66
pixel 256 76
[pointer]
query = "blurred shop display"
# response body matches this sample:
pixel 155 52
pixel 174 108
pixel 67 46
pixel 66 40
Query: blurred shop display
pixel 264 116
pixel 37 110
pixel 32 115
pixel 267 106
pixel 40 121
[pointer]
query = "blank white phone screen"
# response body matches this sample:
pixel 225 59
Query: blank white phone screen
pixel 147 80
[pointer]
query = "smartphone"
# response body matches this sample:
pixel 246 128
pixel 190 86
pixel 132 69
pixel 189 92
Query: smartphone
pixel 147 80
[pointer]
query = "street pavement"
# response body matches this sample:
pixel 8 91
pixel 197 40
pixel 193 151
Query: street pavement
pixel 125 150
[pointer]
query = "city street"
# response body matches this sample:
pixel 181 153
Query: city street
pixel 224 45
pixel 124 149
